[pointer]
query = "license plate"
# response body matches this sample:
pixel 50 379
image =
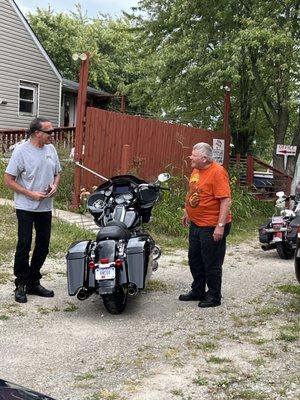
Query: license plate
pixel 105 271
pixel 277 220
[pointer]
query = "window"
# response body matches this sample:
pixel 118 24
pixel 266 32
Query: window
pixel 28 98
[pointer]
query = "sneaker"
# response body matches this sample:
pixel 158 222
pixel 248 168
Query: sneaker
pixel 39 290
pixel 191 296
pixel 20 294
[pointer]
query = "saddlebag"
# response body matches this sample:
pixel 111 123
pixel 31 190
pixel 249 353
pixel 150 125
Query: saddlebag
pixel 264 237
pixel 139 259
pixel 292 235
pixel 76 266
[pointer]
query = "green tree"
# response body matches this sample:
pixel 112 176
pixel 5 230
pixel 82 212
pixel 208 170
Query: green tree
pixel 108 40
pixel 190 49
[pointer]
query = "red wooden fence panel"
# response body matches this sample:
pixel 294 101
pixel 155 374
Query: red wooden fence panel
pixel 155 146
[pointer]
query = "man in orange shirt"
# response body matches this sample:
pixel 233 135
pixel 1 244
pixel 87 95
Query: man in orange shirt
pixel 207 211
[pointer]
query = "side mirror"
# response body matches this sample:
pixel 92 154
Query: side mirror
pixel 280 194
pixel 165 176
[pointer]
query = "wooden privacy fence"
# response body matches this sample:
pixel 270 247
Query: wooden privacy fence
pixel 63 137
pixel 152 146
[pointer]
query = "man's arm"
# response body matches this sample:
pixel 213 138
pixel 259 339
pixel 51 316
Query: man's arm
pixel 10 181
pixel 224 211
pixel 54 185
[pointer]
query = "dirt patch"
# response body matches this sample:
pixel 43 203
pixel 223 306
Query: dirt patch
pixel 159 347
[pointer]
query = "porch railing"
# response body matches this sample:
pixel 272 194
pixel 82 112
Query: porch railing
pixel 63 137
pixel 262 179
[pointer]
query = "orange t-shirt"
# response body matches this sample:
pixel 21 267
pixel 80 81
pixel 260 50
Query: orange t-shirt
pixel 206 188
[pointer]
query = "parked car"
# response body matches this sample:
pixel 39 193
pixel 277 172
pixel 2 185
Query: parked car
pixel 11 391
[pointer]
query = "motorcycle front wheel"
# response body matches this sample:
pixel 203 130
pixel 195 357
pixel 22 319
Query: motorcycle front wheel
pixel 115 303
pixel 285 251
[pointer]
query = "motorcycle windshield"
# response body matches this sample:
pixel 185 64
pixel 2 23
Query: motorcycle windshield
pixel 121 180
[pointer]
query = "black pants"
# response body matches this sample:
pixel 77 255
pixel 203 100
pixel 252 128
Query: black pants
pixel 206 259
pixel 29 272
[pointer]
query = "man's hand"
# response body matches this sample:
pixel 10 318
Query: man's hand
pixel 185 219
pixel 218 233
pixel 52 191
pixel 37 196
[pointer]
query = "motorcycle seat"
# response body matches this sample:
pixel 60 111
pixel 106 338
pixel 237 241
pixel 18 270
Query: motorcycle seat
pixel 113 230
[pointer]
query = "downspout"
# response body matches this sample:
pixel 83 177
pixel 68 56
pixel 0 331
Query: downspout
pixel 60 105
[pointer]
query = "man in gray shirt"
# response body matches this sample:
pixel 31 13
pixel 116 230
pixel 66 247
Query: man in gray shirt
pixel 33 173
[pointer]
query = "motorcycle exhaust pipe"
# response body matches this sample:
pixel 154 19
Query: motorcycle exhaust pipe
pixel 83 294
pixel 132 289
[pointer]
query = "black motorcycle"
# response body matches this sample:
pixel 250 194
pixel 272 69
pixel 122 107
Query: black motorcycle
pixel 120 261
pixel 280 232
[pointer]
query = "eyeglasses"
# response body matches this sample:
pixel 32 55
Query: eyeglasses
pixel 48 132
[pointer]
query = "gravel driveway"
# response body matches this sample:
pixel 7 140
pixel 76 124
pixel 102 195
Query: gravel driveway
pixel 159 347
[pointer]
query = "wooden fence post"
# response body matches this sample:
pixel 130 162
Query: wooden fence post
pixel 250 170
pixel 238 162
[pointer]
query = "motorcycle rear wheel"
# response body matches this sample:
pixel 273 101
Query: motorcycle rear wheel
pixel 285 251
pixel 115 303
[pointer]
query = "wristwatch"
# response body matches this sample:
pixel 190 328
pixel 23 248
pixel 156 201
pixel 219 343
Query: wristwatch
pixel 221 225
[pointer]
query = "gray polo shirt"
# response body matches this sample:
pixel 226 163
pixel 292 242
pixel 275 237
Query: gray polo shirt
pixel 34 169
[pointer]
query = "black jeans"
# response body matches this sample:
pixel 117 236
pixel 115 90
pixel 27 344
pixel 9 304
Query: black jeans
pixel 206 259
pixel 29 272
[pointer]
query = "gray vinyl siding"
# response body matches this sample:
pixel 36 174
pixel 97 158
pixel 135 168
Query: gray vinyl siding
pixel 22 60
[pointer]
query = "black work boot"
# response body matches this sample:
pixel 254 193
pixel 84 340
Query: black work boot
pixel 209 301
pixel 191 296
pixel 39 290
pixel 20 293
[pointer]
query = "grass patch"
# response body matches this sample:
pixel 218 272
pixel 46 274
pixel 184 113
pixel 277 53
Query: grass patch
pixel 218 360
pixel 292 289
pixel 290 333
pixel 63 234
pixel 177 392
pixel 155 285
pixel 45 310
pixel 200 380
pixel 71 307
pixel 4 317
pixel 84 377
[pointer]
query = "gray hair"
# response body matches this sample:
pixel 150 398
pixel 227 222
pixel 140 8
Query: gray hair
pixel 205 149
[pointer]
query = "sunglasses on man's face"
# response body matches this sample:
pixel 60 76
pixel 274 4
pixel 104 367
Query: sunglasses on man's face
pixel 48 132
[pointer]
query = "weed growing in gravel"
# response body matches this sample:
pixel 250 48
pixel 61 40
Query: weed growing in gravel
pixel 4 317
pixel 12 309
pixel 71 307
pixel 177 392
pixel 290 333
pixel 155 285
pixel 258 361
pixel 218 360
pixel 106 395
pixel 200 380
pixel 45 310
pixel 84 377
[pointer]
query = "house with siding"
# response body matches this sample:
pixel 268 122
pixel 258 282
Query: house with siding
pixel 30 84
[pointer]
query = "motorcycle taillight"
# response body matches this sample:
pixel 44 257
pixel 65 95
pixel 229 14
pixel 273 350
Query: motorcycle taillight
pixel 91 265
pixel 118 263
pixel 104 260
